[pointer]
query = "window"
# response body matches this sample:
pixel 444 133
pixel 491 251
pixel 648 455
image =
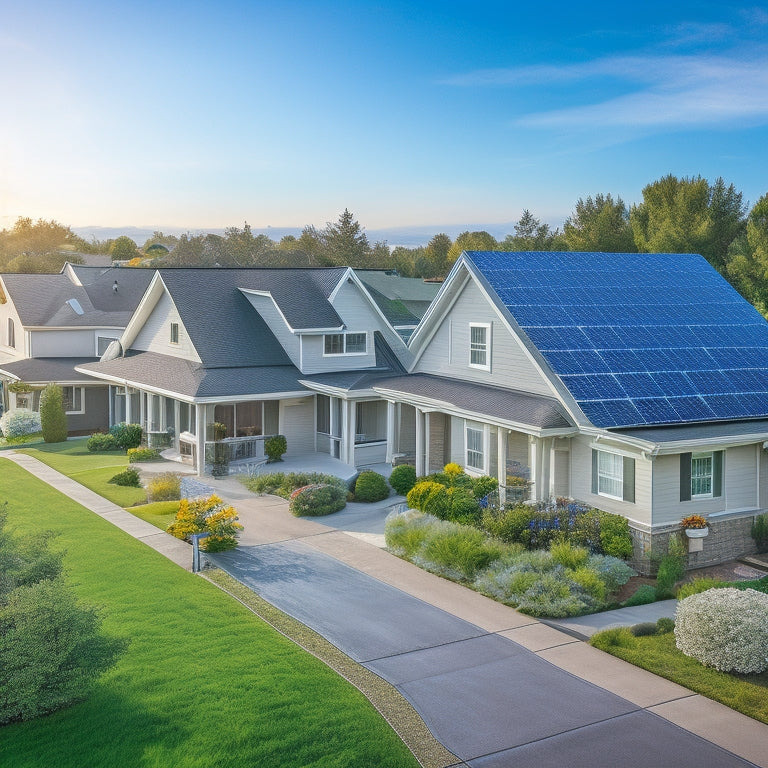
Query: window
pixel 371 422
pixel 613 475
pixel 102 342
pixel 476 446
pixel 479 352
pixel 74 399
pixel 174 333
pixel 701 475
pixel 345 344
pixel 11 333
pixel 324 414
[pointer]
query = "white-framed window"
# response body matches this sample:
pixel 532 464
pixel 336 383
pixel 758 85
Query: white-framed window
pixel 610 475
pixel 345 343
pixel 174 333
pixel 480 346
pixel 74 399
pixel 102 342
pixel 475 441
pixel 11 333
pixel 702 474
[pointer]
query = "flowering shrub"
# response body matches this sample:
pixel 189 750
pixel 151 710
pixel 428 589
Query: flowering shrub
pixel 19 422
pixel 694 521
pixel 164 487
pixel 317 500
pixel 143 454
pixel 209 515
pixel 285 483
pixel 725 629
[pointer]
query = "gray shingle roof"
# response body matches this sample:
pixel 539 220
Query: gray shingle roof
pixel 190 379
pixel 41 370
pixel 713 430
pixel 503 404
pixel 402 300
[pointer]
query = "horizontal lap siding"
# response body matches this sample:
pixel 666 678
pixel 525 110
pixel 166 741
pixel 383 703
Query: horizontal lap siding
pixel 71 343
pixel 297 420
pixel 155 335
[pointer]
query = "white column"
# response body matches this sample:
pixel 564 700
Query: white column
pixel 200 415
pixel 176 423
pixel 419 443
pixel 111 397
pixel 535 462
pixel 551 467
pixel 390 431
pixel 426 442
pixel 143 410
pixel 352 429
pixel 501 462
pixel 128 408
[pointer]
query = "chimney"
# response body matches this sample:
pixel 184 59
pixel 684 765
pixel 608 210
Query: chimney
pixel 114 287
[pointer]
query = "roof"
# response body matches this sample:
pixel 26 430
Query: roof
pixel 501 404
pixel 41 300
pixel 637 339
pixel 193 380
pixel 36 370
pixel 755 429
pixel 402 300
pixel 223 325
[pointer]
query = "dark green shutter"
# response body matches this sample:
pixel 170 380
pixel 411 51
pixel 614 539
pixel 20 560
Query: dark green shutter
pixel 685 476
pixel 629 479
pixel 717 473
pixel 594 471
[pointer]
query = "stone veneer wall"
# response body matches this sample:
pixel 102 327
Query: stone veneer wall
pixel 728 539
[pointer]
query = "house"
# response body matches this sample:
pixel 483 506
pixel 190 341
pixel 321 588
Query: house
pixel 262 352
pixel 51 323
pixel 637 383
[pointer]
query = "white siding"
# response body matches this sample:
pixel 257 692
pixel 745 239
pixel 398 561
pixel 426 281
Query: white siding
pixel 7 310
pixel 297 423
pixel 448 351
pixel 313 360
pixel 581 484
pixel 155 335
pixel 739 486
pixel 69 343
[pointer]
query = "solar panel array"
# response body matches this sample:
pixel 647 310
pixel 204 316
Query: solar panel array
pixel 638 339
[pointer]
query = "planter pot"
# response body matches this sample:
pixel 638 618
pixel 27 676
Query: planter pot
pixel 696 538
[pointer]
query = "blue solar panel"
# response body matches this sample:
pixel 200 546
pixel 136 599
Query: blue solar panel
pixel 681 343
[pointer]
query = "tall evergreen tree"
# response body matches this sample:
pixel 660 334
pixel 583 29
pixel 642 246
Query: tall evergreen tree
pixel 53 419
pixel 345 243
pixel 599 224
pixel 531 235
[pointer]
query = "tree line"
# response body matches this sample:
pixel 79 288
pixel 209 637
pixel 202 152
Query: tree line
pixel 676 215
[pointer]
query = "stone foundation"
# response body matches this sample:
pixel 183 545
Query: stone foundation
pixel 728 539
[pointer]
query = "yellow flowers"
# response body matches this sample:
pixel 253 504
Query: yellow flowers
pixel 210 515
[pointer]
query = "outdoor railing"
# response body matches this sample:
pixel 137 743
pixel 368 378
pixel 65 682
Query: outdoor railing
pixel 236 449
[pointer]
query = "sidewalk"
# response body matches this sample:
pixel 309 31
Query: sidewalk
pixel 497 688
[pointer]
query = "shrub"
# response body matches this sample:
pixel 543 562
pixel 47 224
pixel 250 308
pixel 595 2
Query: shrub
pixel 405 532
pixel 370 486
pixel 463 506
pixel 643 595
pixel 209 515
pixel 554 596
pixel 285 483
pixel 403 478
pixel 430 497
pixel 128 477
pixel 317 500
pixel 143 454
pixel 53 419
pixel 671 569
pixel 759 532
pixel 510 525
pixel 589 581
pixel 459 551
pixel 164 487
pixel 616 637
pixel 485 485
pixel 665 625
pixel 567 555
pixel 275 447
pixel 725 629
pixel 644 629
pixel 126 435
pixel 19 422
pixel 612 570
pixel 699 584
pixel 99 442
pixel 615 536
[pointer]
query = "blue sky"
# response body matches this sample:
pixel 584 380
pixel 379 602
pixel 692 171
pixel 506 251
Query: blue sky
pixel 201 114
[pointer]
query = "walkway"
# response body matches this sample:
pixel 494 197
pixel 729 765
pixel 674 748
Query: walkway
pixel 495 687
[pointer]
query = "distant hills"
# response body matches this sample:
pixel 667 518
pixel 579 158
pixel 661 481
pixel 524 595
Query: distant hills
pixel 409 237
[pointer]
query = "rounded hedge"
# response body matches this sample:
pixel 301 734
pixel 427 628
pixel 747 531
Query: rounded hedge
pixel 102 442
pixel 20 422
pixel 725 629
pixel 403 478
pixel 370 486
pixel 317 500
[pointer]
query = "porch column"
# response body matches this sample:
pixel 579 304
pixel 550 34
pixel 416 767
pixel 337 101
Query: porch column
pixel 200 414
pixel 111 403
pixel 390 431
pixel 176 423
pixel 536 463
pixel 143 410
pixel 419 443
pixel 427 465
pixel 551 467
pixel 501 463
pixel 128 408
pixel 348 414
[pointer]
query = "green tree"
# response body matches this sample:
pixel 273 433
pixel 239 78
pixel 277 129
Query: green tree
pixel 688 216
pixel 471 241
pixel 436 257
pixel 748 257
pixel 599 224
pixel 51 649
pixel 345 243
pixel 53 418
pixel 531 234
pixel 123 249
pixel 159 238
pixel 36 246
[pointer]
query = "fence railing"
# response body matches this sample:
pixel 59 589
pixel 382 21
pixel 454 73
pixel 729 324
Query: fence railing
pixel 236 449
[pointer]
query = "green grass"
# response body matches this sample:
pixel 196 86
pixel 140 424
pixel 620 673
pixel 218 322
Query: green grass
pixel 160 513
pixel 204 682
pixel 658 654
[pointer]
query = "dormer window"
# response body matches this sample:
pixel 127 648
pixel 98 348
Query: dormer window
pixel 174 333
pixel 345 343
pixel 480 346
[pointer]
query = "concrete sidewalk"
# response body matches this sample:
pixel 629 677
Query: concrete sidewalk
pixel 497 688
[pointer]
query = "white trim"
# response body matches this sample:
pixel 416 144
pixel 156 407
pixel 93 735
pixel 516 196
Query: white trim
pixel 486 366
pixel 344 353
pixel 612 478
pixel 711 457
pixel 82 397
pixel 485 432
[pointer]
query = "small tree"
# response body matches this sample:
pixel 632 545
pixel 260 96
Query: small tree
pixel 52 416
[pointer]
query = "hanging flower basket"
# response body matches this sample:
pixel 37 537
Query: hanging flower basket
pixel 696 529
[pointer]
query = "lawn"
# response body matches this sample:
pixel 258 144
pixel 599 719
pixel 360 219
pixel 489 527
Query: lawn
pixel 159 513
pixel 658 654
pixel 203 683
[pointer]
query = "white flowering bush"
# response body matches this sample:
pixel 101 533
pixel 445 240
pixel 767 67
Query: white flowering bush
pixel 20 422
pixel 725 628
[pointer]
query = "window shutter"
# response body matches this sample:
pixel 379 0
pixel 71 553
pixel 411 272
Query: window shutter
pixel 685 476
pixel 629 479
pixel 717 473
pixel 594 470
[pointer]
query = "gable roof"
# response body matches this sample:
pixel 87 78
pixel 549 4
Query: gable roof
pixel 402 300
pixel 637 339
